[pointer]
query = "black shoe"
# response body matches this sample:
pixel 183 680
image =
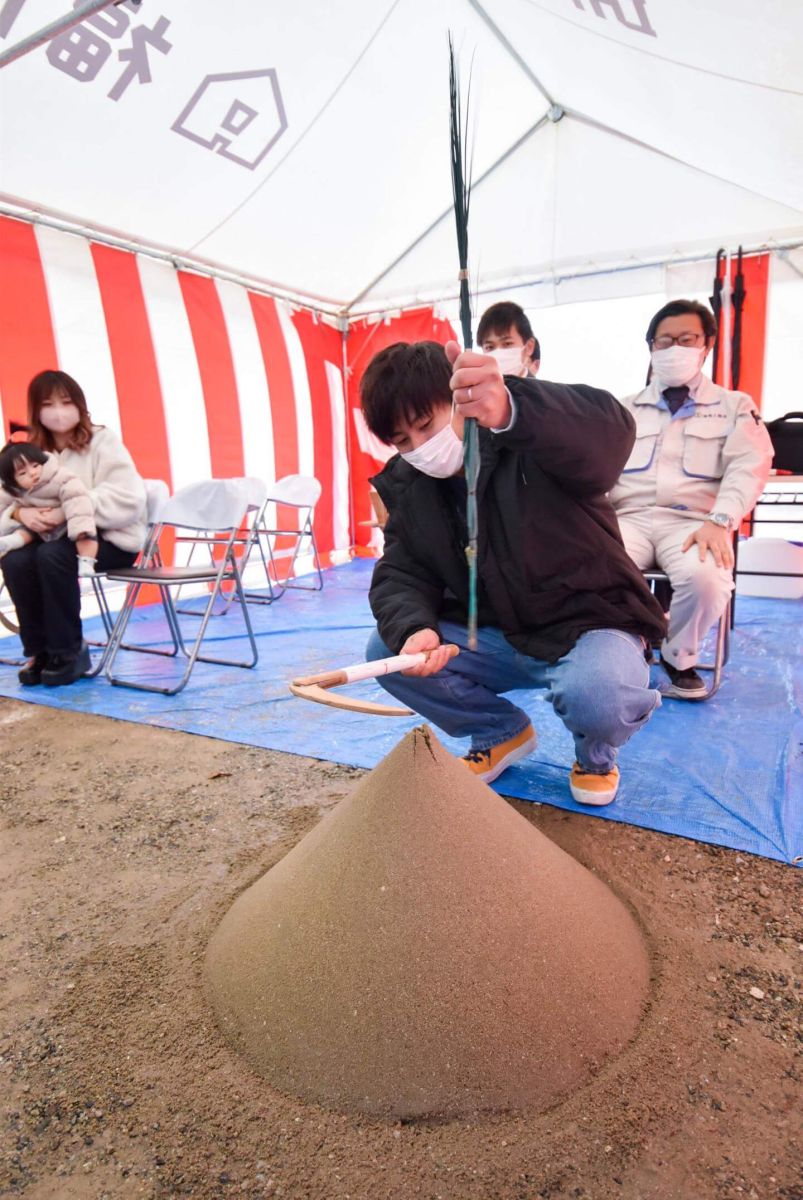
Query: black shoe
pixel 31 673
pixel 685 685
pixel 63 669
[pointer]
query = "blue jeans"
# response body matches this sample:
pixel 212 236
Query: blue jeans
pixel 600 690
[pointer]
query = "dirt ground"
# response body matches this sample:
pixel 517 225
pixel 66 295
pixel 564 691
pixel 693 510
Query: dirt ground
pixel 122 846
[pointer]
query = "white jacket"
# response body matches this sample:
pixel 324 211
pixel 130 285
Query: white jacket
pixel 716 460
pixel 115 488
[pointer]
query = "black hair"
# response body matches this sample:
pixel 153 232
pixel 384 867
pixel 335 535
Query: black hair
pixel 13 453
pixel 680 308
pixel 507 315
pixel 403 384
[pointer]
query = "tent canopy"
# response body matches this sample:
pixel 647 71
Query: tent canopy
pixel 305 147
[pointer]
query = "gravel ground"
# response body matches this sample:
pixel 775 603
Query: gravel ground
pixel 121 848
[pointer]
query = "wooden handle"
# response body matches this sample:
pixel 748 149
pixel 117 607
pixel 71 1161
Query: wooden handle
pixel 370 670
pixel 329 679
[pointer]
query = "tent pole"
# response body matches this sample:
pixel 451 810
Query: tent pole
pixel 345 311
pixel 336 311
pixel 556 278
pixel 512 51
pixel 201 266
pixel 344 369
pixel 48 32
pixel 727 308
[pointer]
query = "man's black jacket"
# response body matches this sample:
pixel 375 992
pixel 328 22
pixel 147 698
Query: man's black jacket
pixel 551 562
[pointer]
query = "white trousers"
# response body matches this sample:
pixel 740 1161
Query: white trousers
pixel 700 590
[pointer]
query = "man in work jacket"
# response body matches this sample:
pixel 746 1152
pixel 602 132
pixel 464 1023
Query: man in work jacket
pixel 561 605
pixel 699 463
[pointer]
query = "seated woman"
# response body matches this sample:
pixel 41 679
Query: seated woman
pixel 42 577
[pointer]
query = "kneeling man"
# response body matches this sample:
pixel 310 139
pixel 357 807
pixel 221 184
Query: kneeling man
pixel 561 604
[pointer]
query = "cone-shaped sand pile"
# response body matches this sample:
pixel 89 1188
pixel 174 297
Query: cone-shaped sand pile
pixel 425 950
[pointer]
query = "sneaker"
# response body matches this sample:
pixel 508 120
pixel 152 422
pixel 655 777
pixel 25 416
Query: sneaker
pixel 684 685
pixel 86 566
pixel 63 669
pixel 589 787
pixel 31 673
pixel 489 764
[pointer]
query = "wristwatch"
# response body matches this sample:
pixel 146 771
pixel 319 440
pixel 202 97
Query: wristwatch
pixel 722 519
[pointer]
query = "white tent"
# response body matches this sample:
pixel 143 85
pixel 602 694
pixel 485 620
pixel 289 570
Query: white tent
pixel 304 147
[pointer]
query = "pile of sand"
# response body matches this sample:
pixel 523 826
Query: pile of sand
pixel 424 950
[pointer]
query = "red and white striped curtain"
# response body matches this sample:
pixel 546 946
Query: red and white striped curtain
pixel 200 377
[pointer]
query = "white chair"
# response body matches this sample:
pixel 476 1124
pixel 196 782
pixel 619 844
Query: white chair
pixel 300 494
pixel 214 507
pixel 255 491
pixel 156 494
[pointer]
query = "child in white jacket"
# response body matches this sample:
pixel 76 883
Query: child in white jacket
pixel 31 477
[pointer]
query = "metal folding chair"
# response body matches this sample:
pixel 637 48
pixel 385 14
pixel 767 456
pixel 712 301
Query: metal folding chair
pixel 722 642
pixel 256 491
pixel 299 493
pixel 156 494
pixel 8 619
pixel 213 508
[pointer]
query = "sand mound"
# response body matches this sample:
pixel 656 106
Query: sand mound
pixel 424 950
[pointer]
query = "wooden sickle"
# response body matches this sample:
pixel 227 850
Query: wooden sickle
pixel 317 687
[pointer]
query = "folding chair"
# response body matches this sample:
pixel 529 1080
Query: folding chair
pixel 256 491
pixel 659 582
pixel 300 493
pixel 8 619
pixel 156 494
pixel 214 507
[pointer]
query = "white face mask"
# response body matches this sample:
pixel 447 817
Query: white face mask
pixel 440 457
pixel 677 364
pixel 510 360
pixel 61 419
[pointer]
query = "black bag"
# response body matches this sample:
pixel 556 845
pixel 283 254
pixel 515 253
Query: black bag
pixel 786 434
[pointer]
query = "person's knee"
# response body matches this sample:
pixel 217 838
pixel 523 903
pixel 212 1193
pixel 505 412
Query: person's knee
pixel 57 558
pixel 607 712
pixel 605 688
pixel 707 583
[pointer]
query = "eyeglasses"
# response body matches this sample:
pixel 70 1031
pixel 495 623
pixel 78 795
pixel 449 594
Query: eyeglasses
pixel 684 339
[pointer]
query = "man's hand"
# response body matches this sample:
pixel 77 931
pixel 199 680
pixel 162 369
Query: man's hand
pixel 426 639
pixel 40 520
pixel 478 388
pixel 714 538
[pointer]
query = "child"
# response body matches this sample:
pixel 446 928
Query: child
pixel 33 478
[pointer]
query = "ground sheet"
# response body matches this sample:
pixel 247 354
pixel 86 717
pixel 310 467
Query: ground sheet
pixel 729 771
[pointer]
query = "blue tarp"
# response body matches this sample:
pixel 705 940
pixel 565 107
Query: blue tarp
pixel 729 771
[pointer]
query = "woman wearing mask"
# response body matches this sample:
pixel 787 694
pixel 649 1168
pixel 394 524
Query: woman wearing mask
pixel 561 606
pixel 699 463
pixel 42 577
